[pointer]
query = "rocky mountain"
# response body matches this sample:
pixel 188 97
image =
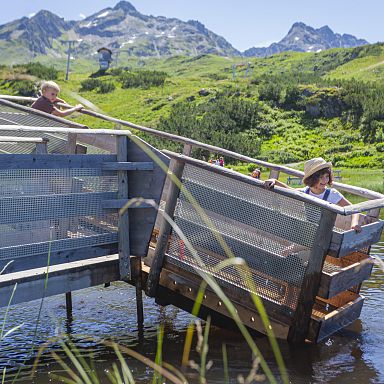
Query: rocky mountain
pixel 119 28
pixel 303 38
pixel 123 28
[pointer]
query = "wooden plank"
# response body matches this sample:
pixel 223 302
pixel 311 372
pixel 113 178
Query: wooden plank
pixel 277 309
pixel 298 331
pixel 124 242
pixel 128 166
pixel 350 241
pixel 187 290
pixel 56 161
pixel 105 142
pixel 14 139
pixel 57 257
pixel 62 278
pixel 120 203
pixel 176 169
pixel 326 321
pixel 41 148
pixel 20 209
pixel 364 206
pixel 146 185
pixel 352 271
pixel 71 143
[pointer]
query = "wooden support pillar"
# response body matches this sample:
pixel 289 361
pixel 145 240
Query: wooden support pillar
pixel 122 180
pixel 273 174
pixel 310 286
pixel 136 276
pixel 68 306
pixel 41 148
pixel 187 149
pixel 71 143
pixel 176 168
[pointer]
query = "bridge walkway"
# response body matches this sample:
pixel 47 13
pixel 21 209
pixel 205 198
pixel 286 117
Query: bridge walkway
pixel 82 210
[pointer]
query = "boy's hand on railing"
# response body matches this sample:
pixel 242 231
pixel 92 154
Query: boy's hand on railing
pixel 357 228
pixel 269 183
pixel 78 107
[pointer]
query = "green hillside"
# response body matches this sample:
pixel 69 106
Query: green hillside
pixel 285 108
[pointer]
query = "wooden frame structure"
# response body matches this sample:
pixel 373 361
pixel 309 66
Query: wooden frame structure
pixel 336 259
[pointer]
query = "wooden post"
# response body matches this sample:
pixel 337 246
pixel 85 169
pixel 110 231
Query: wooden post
pixel 273 174
pixel 136 275
pixel 68 305
pixel 309 288
pixel 122 179
pixel 41 148
pixel 176 168
pixel 71 142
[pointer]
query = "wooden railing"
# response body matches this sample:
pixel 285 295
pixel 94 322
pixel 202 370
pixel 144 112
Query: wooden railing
pixel 275 169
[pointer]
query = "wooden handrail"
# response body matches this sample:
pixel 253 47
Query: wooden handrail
pixel 33 140
pixel 297 195
pixel 358 191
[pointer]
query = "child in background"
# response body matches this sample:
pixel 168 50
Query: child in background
pixel 46 102
pixel 221 161
pixel 256 173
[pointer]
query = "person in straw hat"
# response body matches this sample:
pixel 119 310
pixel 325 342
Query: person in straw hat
pixel 318 180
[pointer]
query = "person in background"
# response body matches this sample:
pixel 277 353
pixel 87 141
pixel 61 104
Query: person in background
pixel 256 173
pixel 46 102
pixel 221 161
pixel 318 180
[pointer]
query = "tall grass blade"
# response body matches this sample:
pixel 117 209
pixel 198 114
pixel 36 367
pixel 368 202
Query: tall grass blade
pixel 225 363
pixel 157 378
pixel 128 377
pixel 6 266
pixel 7 310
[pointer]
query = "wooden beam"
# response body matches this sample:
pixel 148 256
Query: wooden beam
pixel 176 168
pixel 122 180
pixel 14 139
pixel 350 241
pixel 338 275
pixel 32 261
pixel 128 166
pixel 56 161
pixel 298 331
pixel 120 203
pixel 62 278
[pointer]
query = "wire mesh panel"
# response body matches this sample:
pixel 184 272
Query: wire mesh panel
pixel 44 210
pixel 14 116
pixel 273 233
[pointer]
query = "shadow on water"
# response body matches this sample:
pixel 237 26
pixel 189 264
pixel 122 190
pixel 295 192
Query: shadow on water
pixel 354 355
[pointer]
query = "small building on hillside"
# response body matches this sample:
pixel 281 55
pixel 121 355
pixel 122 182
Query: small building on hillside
pixel 105 58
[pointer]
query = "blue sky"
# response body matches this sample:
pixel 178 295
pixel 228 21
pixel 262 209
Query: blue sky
pixel 244 23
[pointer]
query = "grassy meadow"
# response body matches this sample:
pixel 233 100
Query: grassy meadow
pixel 296 105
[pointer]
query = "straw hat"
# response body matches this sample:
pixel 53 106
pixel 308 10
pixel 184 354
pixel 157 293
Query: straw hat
pixel 314 165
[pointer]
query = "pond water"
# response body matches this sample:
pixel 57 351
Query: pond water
pixel 354 355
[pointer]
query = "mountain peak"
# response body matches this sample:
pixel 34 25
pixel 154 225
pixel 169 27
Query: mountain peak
pixel 304 38
pixel 125 6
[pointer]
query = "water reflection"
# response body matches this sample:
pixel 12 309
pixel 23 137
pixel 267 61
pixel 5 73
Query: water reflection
pixel 354 355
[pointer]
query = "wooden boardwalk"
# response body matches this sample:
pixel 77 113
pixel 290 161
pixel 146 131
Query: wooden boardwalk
pixel 62 228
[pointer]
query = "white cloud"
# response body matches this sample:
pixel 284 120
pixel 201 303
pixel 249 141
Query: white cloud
pixel 82 16
pixel 31 15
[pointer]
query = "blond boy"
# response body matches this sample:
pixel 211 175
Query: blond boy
pixel 46 102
